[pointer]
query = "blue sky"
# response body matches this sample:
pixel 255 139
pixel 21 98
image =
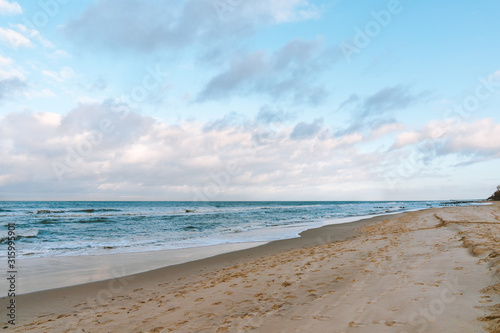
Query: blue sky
pixel 249 100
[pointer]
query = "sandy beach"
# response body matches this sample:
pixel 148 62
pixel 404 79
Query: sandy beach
pixel 435 270
pixel 279 166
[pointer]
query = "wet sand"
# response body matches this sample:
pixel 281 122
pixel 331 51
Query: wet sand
pixel 429 271
pixel 39 274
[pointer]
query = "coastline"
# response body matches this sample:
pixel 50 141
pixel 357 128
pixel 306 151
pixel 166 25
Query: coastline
pixel 62 229
pixel 34 303
pixel 38 273
pixel 341 243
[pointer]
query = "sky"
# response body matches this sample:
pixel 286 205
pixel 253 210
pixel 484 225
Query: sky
pixel 249 100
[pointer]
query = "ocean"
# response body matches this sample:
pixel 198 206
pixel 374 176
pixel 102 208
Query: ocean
pixel 68 228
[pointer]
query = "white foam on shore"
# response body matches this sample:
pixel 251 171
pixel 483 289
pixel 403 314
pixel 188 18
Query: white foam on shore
pixel 49 273
pixel 37 274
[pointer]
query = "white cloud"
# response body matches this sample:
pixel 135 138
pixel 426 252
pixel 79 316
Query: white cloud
pixel 5 61
pixel 290 72
pixel 407 138
pixel 12 80
pixel 142 151
pixel 83 99
pixel 52 75
pixel 61 54
pixel 10 8
pixel 9 72
pixel 67 72
pixel 64 74
pixel 33 34
pixel 387 129
pixel 282 11
pixel 43 93
pixel 177 25
pixel 14 38
pixel 451 136
pixel 141 156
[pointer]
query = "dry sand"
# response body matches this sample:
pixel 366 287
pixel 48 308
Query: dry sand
pixel 431 271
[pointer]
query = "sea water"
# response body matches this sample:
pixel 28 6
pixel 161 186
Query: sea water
pixel 66 228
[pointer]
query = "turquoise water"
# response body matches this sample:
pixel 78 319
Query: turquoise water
pixel 49 229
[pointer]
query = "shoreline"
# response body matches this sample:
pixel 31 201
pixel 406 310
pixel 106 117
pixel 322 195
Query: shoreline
pixel 398 262
pixel 38 272
pixel 232 234
pixel 327 233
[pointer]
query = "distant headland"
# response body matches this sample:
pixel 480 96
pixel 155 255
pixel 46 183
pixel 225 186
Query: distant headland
pixel 496 195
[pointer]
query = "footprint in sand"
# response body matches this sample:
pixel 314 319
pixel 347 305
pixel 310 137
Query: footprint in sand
pixel 173 309
pixel 63 315
pixel 354 324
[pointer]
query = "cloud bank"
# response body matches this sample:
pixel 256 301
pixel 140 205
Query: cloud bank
pixel 10 8
pixel 290 72
pixel 148 25
pixel 106 151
